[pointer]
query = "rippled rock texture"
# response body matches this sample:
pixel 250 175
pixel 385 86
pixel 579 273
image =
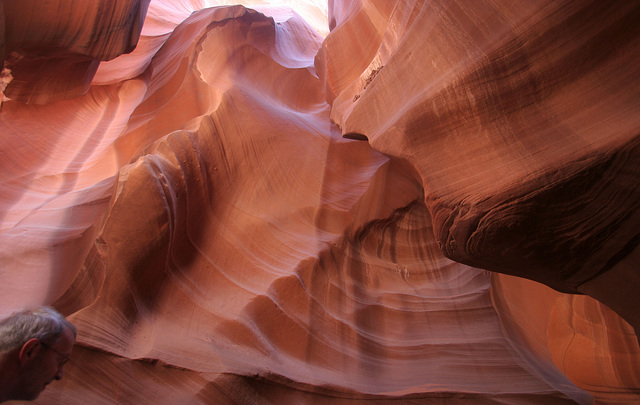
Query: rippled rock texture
pixel 242 210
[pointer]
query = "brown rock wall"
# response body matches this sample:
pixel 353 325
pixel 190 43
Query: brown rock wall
pixel 239 210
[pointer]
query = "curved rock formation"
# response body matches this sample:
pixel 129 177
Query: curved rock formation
pixel 54 48
pixel 538 114
pixel 241 210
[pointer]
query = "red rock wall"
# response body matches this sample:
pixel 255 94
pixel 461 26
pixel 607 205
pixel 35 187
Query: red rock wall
pixel 242 211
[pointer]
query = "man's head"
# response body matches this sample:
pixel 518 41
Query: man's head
pixel 34 346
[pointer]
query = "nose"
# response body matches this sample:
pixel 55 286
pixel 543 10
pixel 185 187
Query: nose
pixel 58 375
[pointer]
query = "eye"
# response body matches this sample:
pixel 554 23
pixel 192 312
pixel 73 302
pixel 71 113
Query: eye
pixel 63 362
pixel 65 357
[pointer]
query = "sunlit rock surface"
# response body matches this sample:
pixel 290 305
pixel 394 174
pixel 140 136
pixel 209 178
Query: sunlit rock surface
pixel 242 210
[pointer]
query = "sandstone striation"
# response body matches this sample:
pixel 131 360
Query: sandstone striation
pixel 434 202
pixel 53 48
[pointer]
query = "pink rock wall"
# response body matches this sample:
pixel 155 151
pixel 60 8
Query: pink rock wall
pixel 240 210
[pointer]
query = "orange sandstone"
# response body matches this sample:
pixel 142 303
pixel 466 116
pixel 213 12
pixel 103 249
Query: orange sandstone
pixel 240 210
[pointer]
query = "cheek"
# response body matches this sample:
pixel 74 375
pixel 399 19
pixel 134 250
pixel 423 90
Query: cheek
pixel 49 370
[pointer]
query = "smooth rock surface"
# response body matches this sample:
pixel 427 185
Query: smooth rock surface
pixel 242 210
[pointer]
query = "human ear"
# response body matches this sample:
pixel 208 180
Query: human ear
pixel 28 350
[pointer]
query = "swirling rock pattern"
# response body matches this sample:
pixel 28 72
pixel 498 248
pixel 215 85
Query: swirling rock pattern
pixel 53 48
pixel 242 210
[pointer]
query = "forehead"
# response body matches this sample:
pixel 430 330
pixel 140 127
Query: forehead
pixel 66 341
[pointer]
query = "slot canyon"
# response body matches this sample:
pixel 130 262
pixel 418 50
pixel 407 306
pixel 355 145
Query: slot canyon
pixel 342 202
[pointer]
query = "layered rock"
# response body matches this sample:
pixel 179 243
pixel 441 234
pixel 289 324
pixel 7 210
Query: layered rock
pixel 54 48
pixel 243 211
pixel 522 128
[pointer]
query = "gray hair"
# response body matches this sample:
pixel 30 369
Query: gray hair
pixel 43 323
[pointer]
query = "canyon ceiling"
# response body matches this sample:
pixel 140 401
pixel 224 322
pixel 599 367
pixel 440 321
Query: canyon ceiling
pixel 418 202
